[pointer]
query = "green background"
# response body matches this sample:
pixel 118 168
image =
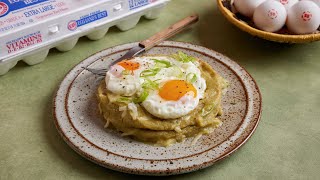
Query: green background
pixel 286 144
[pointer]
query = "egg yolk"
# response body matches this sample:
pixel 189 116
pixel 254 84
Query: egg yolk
pixel 129 65
pixel 175 89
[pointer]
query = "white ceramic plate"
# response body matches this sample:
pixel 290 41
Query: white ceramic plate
pixel 81 126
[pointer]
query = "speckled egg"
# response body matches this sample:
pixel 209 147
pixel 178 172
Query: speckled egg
pixel 270 16
pixel 247 7
pixel 303 17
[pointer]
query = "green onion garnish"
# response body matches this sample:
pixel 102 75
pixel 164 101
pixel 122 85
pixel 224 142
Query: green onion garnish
pixel 178 70
pixel 162 63
pixel 148 84
pixel 141 98
pixel 149 72
pixel 180 56
pixel 124 99
pixel 191 77
pixel 206 110
pixel 125 72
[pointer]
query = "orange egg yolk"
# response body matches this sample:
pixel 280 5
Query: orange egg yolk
pixel 129 65
pixel 175 89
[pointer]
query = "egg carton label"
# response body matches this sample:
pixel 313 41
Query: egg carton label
pixel 7 6
pixel 87 19
pixel 28 27
pixel 18 13
pixel 23 42
pixel 133 4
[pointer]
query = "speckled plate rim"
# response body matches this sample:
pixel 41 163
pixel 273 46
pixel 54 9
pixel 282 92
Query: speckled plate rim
pixel 99 154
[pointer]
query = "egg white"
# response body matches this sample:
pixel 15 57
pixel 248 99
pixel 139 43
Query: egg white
pixel 158 107
pixel 131 84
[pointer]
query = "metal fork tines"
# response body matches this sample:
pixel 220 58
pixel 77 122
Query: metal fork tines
pixel 100 72
pixel 131 53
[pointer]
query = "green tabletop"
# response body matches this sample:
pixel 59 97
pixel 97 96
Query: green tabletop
pixel 286 144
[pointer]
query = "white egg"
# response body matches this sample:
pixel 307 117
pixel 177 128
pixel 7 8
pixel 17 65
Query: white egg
pixel 288 3
pixel 270 16
pixel 303 17
pixel 247 7
pixel 315 1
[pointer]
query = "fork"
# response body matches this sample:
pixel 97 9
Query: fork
pixel 100 72
pixel 150 42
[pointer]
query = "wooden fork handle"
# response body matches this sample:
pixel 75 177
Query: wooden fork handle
pixel 169 32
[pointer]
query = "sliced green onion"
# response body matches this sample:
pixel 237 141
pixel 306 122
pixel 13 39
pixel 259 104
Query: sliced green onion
pixel 149 72
pixel 178 71
pixel 126 72
pixel 142 97
pixel 206 110
pixel 180 56
pixel 191 77
pixel 162 63
pixel 148 84
pixel 124 100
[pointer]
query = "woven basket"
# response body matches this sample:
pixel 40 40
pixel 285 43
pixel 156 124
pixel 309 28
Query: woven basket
pixel 283 38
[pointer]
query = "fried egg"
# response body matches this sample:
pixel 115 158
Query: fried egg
pixel 123 77
pixel 167 87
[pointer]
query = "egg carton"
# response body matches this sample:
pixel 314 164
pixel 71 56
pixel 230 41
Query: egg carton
pixel 30 28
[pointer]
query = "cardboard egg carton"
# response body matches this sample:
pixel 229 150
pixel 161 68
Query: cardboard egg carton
pixel 30 28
